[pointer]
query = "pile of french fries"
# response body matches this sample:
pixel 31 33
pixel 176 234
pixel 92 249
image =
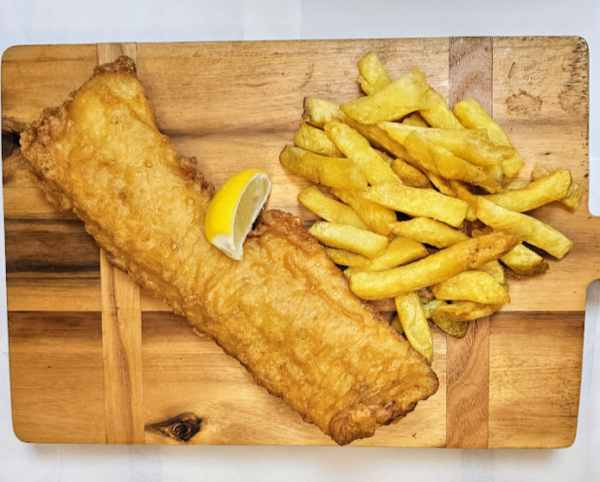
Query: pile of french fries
pixel 427 212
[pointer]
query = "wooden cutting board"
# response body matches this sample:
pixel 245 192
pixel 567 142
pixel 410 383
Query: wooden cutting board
pixel 93 360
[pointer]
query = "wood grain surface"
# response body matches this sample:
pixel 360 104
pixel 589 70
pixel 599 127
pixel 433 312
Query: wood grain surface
pixel 467 407
pixel 79 374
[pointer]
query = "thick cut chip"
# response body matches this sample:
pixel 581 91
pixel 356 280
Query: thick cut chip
pixel 386 157
pixel 462 192
pixel 409 175
pixel 434 269
pixel 444 186
pixel 473 145
pixel 473 116
pixel 415 119
pixel 474 286
pixel 418 202
pixel 407 94
pixel 457 329
pixel 400 251
pixel 379 218
pixel 528 229
pixel 397 325
pixel 330 209
pixel 465 311
pixel 440 115
pixel 415 324
pixel 315 140
pixel 525 262
pixel 373 76
pixel 356 147
pixel 573 197
pixel 553 187
pixel 517 184
pixel 430 306
pixel 428 231
pixel 346 258
pixel 350 238
pixel 495 270
pixel 441 161
pixel 329 171
pixel 318 112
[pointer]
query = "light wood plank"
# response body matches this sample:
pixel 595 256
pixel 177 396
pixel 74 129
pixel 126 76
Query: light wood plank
pixel 470 60
pixel 121 331
pixel 535 378
pixel 57 392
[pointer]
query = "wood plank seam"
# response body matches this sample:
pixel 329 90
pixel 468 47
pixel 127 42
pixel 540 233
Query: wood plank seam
pixel 121 330
pixel 467 359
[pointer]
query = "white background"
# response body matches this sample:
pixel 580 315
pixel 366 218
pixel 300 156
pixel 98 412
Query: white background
pixel 63 21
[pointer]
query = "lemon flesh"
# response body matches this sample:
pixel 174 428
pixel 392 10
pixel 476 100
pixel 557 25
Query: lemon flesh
pixel 234 209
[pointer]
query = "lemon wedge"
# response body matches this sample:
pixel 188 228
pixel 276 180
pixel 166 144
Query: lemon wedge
pixel 234 209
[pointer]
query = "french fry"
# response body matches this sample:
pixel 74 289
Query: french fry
pixel 318 112
pixel 329 171
pixel 472 145
pixel 434 269
pixel 553 187
pixel 428 231
pixel 397 325
pixel 330 209
pixel 474 286
pixel 517 184
pixel 528 229
pixel 470 113
pixel 409 175
pixel 444 186
pixel 573 197
pixel 418 202
pixel 407 94
pixel 415 324
pixel 415 119
pixel 430 306
pixel 315 140
pixel 441 161
pixel 457 329
pixel 524 261
pixel 574 194
pixel 346 258
pixel 373 76
pixel 400 251
pixel 440 115
pixel 462 192
pixel 356 147
pixel 379 218
pixel 495 270
pixel 466 311
pixel 385 156
pixel 346 237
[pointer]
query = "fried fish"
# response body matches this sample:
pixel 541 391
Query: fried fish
pixel 285 311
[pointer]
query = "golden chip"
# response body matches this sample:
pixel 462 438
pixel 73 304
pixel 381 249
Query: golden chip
pixel 330 209
pixel 315 140
pixel 474 286
pixel 415 324
pixel 434 269
pixel 329 171
pixel 350 238
pixel 418 202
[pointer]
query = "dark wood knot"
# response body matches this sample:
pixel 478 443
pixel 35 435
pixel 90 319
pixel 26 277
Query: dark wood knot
pixel 181 428
pixel 10 143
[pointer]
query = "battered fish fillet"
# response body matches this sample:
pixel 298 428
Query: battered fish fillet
pixel 285 311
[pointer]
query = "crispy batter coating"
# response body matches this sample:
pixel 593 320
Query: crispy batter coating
pixel 285 311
